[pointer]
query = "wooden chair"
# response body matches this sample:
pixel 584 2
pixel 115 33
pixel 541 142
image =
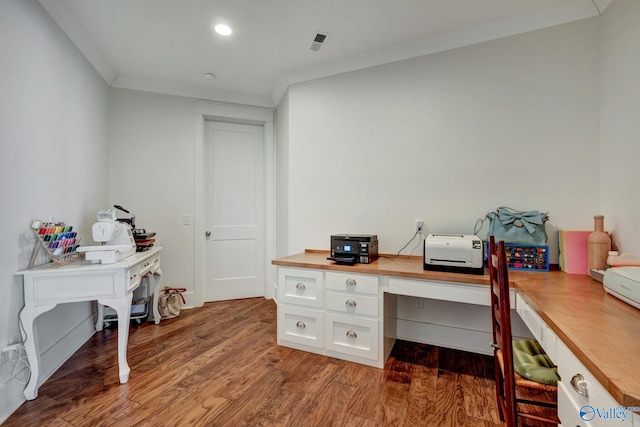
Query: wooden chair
pixel 520 400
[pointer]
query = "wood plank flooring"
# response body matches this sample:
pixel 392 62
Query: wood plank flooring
pixel 219 365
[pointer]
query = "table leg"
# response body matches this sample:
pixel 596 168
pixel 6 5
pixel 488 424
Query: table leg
pixel 32 346
pixel 157 278
pixel 122 306
pixel 100 321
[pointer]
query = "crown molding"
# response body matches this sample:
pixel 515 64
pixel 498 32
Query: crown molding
pixel 72 28
pixel 574 11
pixel 569 12
pixel 146 85
pixel 602 5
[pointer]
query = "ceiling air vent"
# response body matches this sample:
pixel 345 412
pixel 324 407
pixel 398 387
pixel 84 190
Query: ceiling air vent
pixel 318 41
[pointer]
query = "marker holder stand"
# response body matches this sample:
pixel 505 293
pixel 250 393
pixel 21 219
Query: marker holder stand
pixel 58 241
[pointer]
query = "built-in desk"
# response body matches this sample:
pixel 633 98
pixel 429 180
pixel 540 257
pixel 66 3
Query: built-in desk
pixel 597 330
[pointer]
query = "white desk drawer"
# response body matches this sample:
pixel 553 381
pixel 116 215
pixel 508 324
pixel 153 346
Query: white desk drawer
pixel 530 318
pixel 445 291
pixel 351 303
pixel 71 287
pixel 301 286
pixel 568 410
pixel 357 336
pixel 150 265
pixel 545 336
pixel 345 282
pixel 599 405
pixel 301 325
pixel 134 277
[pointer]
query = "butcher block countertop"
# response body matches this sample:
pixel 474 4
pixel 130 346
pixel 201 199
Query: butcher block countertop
pixel 602 331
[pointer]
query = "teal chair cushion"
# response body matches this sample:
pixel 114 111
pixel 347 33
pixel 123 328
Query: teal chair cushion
pixel 530 361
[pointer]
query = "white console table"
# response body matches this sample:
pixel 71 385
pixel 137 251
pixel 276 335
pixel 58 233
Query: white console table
pixel 112 285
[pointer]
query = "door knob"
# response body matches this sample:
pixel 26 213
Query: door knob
pixel 207 233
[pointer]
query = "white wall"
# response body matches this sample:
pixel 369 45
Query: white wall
pixel 447 138
pixel 620 144
pixel 152 173
pixel 53 162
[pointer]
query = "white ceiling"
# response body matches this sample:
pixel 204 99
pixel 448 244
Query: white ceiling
pixel 166 46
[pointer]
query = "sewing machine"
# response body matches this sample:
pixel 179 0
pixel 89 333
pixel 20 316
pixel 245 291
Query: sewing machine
pixel 115 238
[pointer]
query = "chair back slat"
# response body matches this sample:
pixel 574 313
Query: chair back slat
pixel 503 350
pixel 501 329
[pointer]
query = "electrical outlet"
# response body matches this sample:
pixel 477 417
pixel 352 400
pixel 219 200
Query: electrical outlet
pixel 8 352
pixel 419 225
pixel 419 302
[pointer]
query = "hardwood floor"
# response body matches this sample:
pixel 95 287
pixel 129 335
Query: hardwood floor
pixel 219 365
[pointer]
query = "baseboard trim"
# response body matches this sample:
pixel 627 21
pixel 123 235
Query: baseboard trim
pixel 55 356
pixel 11 397
pixel 445 336
pixel 51 359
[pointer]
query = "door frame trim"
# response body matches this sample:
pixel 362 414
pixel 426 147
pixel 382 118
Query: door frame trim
pixel 211 111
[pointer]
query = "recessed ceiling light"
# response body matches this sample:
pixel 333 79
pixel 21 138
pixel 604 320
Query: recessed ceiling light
pixel 222 29
pixel 209 76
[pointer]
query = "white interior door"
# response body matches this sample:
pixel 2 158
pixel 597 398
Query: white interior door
pixel 235 211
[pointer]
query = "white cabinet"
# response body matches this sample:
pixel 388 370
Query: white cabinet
pixel 569 410
pixel 301 309
pixel 331 313
pixel 351 335
pixel 352 319
pixel 350 303
pixel 580 393
pixel 582 400
pixel 301 287
pixel 301 326
pixel 345 282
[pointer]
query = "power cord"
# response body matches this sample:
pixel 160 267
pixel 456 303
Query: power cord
pixel 477 229
pixel 22 359
pixel 21 354
pixel 418 231
pixel 420 243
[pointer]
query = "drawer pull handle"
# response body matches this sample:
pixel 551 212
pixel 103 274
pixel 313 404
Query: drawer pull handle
pixel 352 334
pixel 301 286
pixel 350 303
pixel 351 281
pixel 580 385
pixel 301 325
